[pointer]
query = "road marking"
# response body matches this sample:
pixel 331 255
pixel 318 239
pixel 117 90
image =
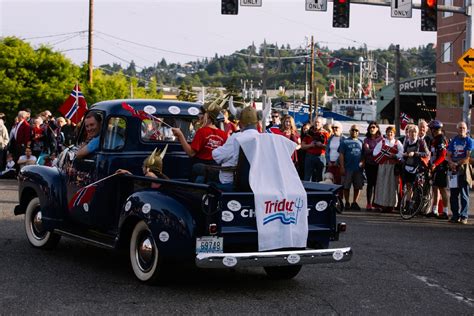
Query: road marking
pixel 456 295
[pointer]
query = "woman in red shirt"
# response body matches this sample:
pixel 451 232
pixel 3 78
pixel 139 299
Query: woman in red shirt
pixel 207 138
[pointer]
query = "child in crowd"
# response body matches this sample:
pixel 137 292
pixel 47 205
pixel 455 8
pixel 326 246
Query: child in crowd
pixel 9 172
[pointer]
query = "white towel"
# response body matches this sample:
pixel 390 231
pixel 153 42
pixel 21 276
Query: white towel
pixel 280 198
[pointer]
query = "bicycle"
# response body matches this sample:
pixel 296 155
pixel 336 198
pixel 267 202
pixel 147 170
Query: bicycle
pixel 422 197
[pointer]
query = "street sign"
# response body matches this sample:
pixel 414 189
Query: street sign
pixel 466 62
pixel 316 5
pixel 251 3
pixel 401 8
pixel 468 84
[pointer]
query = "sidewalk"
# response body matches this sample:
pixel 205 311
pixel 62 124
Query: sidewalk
pixel 363 201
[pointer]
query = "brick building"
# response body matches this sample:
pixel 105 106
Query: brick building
pixel 451 45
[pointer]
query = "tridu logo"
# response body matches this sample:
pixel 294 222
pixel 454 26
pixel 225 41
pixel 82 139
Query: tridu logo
pixel 285 210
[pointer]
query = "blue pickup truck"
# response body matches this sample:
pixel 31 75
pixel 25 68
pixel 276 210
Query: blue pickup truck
pixel 179 222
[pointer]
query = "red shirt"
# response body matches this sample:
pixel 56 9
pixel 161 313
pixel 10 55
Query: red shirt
pixel 320 135
pixel 206 140
pixel 229 128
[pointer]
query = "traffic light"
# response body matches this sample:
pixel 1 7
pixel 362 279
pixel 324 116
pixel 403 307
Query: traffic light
pixel 340 13
pixel 429 15
pixel 230 7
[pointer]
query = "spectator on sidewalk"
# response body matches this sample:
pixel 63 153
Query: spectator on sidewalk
pixel 351 164
pixel 372 137
pixel 332 153
pixel 387 153
pixel 4 139
pixel 26 159
pixel 459 151
pixel 439 167
pixel 315 145
pixel 9 172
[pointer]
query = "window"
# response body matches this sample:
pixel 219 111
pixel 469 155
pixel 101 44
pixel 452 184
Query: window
pixel 447 52
pixel 115 135
pixel 448 3
pixel 160 129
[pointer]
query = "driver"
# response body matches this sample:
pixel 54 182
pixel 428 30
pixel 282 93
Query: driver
pixel 92 123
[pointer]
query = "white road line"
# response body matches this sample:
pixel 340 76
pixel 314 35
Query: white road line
pixel 457 296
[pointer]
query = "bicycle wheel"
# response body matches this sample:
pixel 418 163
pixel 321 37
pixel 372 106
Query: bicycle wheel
pixel 409 209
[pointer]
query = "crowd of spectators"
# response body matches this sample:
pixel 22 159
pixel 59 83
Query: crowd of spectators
pixel 36 139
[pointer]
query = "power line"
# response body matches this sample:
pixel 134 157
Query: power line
pixel 55 35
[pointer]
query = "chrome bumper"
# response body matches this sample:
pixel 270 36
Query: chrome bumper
pixel 272 258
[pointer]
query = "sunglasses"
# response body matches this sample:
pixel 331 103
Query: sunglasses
pixel 355 130
pixel 335 127
pixel 275 116
pixel 371 127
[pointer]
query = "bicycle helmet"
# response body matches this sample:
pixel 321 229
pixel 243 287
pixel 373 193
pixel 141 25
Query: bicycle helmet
pixel 435 124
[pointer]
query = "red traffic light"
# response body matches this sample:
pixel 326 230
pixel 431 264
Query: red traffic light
pixel 431 3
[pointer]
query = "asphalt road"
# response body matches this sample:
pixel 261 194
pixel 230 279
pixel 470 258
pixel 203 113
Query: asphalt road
pixel 420 266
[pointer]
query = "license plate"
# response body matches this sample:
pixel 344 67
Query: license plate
pixel 210 244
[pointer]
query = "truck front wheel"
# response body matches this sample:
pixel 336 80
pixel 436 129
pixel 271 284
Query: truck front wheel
pixel 37 236
pixel 283 272
pixel 144 254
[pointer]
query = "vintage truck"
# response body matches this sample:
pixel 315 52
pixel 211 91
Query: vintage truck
pixel 180 222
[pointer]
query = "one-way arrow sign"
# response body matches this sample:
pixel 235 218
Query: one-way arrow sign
pixel 466 62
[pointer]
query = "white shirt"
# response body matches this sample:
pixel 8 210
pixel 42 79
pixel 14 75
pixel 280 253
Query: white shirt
pixel 333 147
pixel 227 155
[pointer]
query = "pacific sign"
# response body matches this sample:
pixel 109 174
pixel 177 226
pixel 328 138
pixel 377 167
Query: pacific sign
pixel 425 84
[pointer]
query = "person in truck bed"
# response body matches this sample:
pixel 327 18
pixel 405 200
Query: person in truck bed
pixel 152 167
pixel 228 154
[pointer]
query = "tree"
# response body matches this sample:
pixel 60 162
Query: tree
pixel 38 79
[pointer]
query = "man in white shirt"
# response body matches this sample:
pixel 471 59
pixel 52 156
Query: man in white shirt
pixel 26 159
pixel 227 155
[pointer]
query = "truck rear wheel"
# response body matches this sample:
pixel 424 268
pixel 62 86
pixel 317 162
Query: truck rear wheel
pixel 38 237
pixel 144 254
pixel 283 272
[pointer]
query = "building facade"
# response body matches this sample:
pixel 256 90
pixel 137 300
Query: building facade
pixel 451 45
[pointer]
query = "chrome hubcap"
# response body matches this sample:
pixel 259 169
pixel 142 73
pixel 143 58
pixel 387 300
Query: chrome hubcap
pixel 37 226
pixel 145 252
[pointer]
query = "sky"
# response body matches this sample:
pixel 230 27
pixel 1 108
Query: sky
pixel 146 31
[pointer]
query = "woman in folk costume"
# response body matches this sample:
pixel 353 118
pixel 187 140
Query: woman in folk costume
pixel 152 166
pixel 387 154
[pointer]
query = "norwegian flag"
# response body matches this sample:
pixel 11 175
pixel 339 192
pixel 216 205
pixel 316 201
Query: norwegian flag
pixel 385 153
pixel 142 115
pixel 75 105
pixel 332 63
pixel 404 120
pixel 83 196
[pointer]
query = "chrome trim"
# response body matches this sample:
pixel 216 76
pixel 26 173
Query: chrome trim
pixel 272 258
pixel 83 239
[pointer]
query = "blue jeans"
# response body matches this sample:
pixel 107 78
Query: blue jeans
pixel 314 167
pixel 462 191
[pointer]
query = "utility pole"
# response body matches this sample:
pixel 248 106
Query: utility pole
pixel 397 90
pixel 89 57
pixel 466 113
pixel 311 81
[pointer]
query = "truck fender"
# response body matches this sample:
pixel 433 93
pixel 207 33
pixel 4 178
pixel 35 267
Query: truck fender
pixel 48 185
pixel 171 223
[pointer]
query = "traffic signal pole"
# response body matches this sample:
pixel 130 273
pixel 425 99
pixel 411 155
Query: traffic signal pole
pixel 466 115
